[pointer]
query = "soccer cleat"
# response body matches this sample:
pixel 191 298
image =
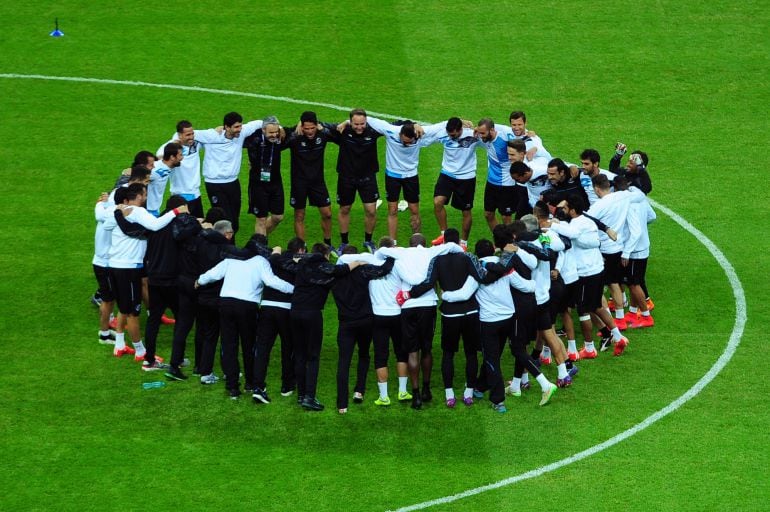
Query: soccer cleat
pixel 107 339
pixel 620 345
pixel 606 343
pixel 563 383
pixel 166 320
pixel 382 401
pixel 339 249
pixel 561 332
pixel 287 391
pixel 369 246
pixel 438 240
pixel 176 374
pixel 632 317
pixel 403 396
pixel 620 323
pixel 310 403
pixel 426 395
pixel 154 367
pixel 477 394
pixel 573 356
pixel 545 360
pixel 260 396
pixel 548 394
pixel 468 401
pixel 137 357
pixel 358 398
pixel 499 408
pixel 123 351
pixel 416 402
pixel 451 402
pixel 587 354
pixel 650 304
pixel 234 394
pixel 344 410
pixel 643 322
pixel 509 391
pixel 525 386
pixel 209 379
pixel 573 371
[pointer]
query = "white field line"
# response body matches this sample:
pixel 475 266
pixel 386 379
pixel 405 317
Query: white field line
pixel 724 358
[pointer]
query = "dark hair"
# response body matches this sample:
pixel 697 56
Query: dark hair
pixel 120 195
pixel 417 239
pixel 295 245
pixel 502 235
pixel 620 183
pixel 645 159
pixel 181 125
pixel 519 169
pixel 320 248
pixel 171 150
pixel 385 241
pixel 601 181
pixel 308 116
pixel 357 112
pixel 454 124
pixel 590 154
pixel 517 144
pixel 559 164
pixel 231 118
pixel 141 158
pixel 517 114
pixel 484 248
pixel 540 210
pixel 215 214
pixel 175 201
pixel 452 235
pixel 517 227
pixel 407 130
pixel 575 202
pixel 487 123
pixel 138 173
pixel 134 190
pixel 350 249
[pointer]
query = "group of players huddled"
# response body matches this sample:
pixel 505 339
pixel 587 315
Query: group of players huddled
pixel 578 229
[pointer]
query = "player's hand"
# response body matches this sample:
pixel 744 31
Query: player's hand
pixel 531 153
pixel 182 209
pixel 419 131
pixel 511 248
pixel 467 124
pixel 554 275
pixel 574 171
pixel 612 234
pixel 531 133
pixel 341 127
pixel 277 249
pixel 103 197
pixel 402 297
pixel 219 129
pixel 620 149
pixel 124 209
pixel 624 262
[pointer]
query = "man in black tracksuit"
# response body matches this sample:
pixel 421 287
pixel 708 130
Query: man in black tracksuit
pixel 265 183
pixel 636 172
pixel 354 312
pixel 357 166
pixel 563 184
pixel 315 276
pixel 274 321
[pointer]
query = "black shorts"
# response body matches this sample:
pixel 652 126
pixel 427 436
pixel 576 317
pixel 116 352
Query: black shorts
pixel 590 293
pixel 127 283
pixel 105 290
pixel 418 325
pixel 636 270
pixel 265 198
pixel 385 329
pixel 499 198
pixel 558 294
pixel 366 186
pixel 613 269
pixel 410 186
pixel 314 192
pixel 543 318
pixel 453 327
pixel 459 192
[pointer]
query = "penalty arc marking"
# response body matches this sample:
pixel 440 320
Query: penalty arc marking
pixel 724 263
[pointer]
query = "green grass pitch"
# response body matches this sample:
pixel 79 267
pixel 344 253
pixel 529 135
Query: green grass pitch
pixel 685 81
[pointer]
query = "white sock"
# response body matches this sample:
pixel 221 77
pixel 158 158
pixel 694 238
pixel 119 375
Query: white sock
pixel 590 346
pixel 616 334
pixel 619 313
pixel 383 387
pixel 571 346
pixel 120 340
pixel 139 347
pixel 632 309
pixel 104 333
pixel 543 381
pixel 562 370
pixel 449 393
pixel 546 353
pixel 516 384
pixel 402 384
pixel 525 378
pixel 646 313
pixel 468 393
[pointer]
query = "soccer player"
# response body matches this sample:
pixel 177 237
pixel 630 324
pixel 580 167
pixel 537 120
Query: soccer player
pixel 584 235
pixel 222 163
pixel 307 173
pixel 243 282
pixel 636 172
pixel 357 167
pixel 536 182
pixel 536 156
pixel 499 194
pixel 164 168
pixel 186 179
pixel 456 182
pixel 266 201
pixel 126 261
pixel 562 183
pixel 589 162
pixel 402 155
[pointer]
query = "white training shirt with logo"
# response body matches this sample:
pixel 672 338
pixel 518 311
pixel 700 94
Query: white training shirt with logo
pixel 186 179
pixel 400 161
pixel 459 160
pixel 223 156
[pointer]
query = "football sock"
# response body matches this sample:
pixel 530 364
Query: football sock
pixel 546 353
pixel 402 384
pixel 468 393
pixel 449 393
pixel 139 347
pixel 525 378
pixel 646 313
pixel 367 236
pixel 562 371
pixel 616 334
pixel 328 241
pixel 619 313
pixel 516 384
pixel 344 238
pixel 543 381
pixel 383 387
pixel 590 346
pixel 571 346
pixel 632 309
pixel 120 340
